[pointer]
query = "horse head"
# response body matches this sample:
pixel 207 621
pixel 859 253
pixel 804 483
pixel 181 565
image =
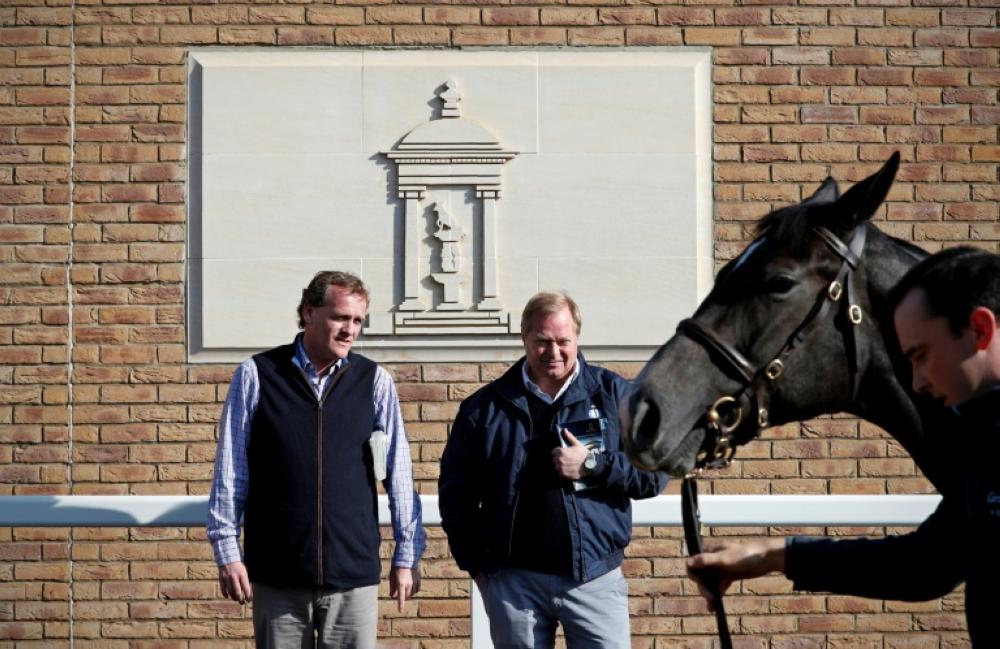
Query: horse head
pixel 793 328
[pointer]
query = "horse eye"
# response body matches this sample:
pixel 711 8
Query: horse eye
pixel 779 284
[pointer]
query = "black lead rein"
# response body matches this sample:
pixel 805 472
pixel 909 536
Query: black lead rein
pixel 692 536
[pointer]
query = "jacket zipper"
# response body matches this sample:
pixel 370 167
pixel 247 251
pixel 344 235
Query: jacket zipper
pixel 513 521
pixel 517 493
pixel 319 465
pixel 319 491
pixel 578 559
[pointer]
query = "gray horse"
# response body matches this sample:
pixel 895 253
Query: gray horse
pixel 794 327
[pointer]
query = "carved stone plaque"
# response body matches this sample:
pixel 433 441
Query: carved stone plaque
pixel 450 152
pixel 456 184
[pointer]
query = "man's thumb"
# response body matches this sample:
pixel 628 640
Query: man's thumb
pixel 570 438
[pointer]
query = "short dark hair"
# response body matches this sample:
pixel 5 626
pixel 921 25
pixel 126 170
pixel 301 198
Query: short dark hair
pixel 955 281
pixel 315 293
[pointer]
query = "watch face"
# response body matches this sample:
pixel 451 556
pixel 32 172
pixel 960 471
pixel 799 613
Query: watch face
pixel 591 461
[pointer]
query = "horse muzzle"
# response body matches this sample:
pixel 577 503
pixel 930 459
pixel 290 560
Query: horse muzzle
pixel 645 440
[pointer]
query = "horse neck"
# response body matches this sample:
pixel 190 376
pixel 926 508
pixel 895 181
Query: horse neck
pixel 884 398
pixel 885 402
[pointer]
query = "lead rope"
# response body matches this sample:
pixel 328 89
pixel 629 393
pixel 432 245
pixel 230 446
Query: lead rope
pixel 692 536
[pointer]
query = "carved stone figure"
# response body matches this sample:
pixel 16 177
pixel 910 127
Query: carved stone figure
pixel 450 235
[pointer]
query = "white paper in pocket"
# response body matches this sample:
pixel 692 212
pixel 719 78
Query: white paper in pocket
pixel 379 443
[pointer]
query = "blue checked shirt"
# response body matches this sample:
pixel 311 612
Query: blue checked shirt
pixel 231 480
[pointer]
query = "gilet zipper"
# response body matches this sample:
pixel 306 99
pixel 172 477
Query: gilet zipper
pixel 320 399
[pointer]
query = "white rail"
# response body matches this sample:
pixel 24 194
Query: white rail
pixel 733 511
pixel 736 511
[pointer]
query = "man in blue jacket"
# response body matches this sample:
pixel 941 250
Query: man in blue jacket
pixel 535 491
pixel 946 312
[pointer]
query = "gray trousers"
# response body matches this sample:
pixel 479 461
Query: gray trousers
pixel 525 607
pixel 307 618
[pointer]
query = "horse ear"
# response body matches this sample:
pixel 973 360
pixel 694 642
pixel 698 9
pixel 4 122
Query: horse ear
pixel 860 202
pixel 828 192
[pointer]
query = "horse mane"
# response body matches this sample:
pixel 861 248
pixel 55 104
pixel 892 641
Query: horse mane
pixel 915 250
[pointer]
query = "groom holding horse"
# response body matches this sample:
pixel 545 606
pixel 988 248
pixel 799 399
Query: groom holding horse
pixel 946 311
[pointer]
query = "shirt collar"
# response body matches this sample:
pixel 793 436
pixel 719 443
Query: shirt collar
pixel 540 393
pixel 301 358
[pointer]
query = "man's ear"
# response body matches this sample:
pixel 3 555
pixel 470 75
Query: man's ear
pixel 983 323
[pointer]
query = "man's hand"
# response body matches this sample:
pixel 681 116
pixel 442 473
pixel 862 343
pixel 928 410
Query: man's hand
pixel 235 583
pixel 731 561
pixel 403 583
pixel 568 460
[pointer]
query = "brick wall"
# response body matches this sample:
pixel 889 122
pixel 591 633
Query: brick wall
pixel 96 395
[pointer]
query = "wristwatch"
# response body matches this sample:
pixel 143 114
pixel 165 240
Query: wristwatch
pixel 590 463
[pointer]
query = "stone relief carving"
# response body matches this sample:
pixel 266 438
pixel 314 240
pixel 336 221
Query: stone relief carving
pixel 289 141
pixel 450 236
pixel 434 158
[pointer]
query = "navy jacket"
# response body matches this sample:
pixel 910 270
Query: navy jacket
pixel 959 542
pixel 483 460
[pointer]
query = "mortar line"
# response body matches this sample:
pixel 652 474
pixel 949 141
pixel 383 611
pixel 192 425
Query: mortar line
pixel 69 304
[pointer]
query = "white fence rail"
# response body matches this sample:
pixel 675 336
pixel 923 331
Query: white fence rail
pixel 733 511
pixel 737 511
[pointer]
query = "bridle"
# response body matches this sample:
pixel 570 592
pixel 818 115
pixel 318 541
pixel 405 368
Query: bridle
pixel 747 410
pixel 734 419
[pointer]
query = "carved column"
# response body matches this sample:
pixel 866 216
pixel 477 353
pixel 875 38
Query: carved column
pixel 411 249
pixel 488 199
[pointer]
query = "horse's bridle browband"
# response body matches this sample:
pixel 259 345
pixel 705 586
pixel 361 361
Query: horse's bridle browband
pixel 725 416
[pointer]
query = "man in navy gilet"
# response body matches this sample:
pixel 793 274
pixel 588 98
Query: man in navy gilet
pixel 306 431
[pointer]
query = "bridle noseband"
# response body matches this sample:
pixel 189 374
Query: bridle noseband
pixel 748 408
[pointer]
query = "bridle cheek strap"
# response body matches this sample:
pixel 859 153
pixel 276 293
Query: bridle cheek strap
pixel 851 254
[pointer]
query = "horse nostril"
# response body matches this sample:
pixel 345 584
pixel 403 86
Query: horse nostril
pixel 646 423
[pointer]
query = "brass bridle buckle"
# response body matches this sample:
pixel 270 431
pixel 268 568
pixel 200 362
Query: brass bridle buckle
pixel 715 418
pixel 835 290
pixel 722 418
pixel 718 457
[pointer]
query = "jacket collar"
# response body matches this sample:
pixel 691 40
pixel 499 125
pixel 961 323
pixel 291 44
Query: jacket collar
pixel 535 389
pixel 511 386
pixel 981 412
